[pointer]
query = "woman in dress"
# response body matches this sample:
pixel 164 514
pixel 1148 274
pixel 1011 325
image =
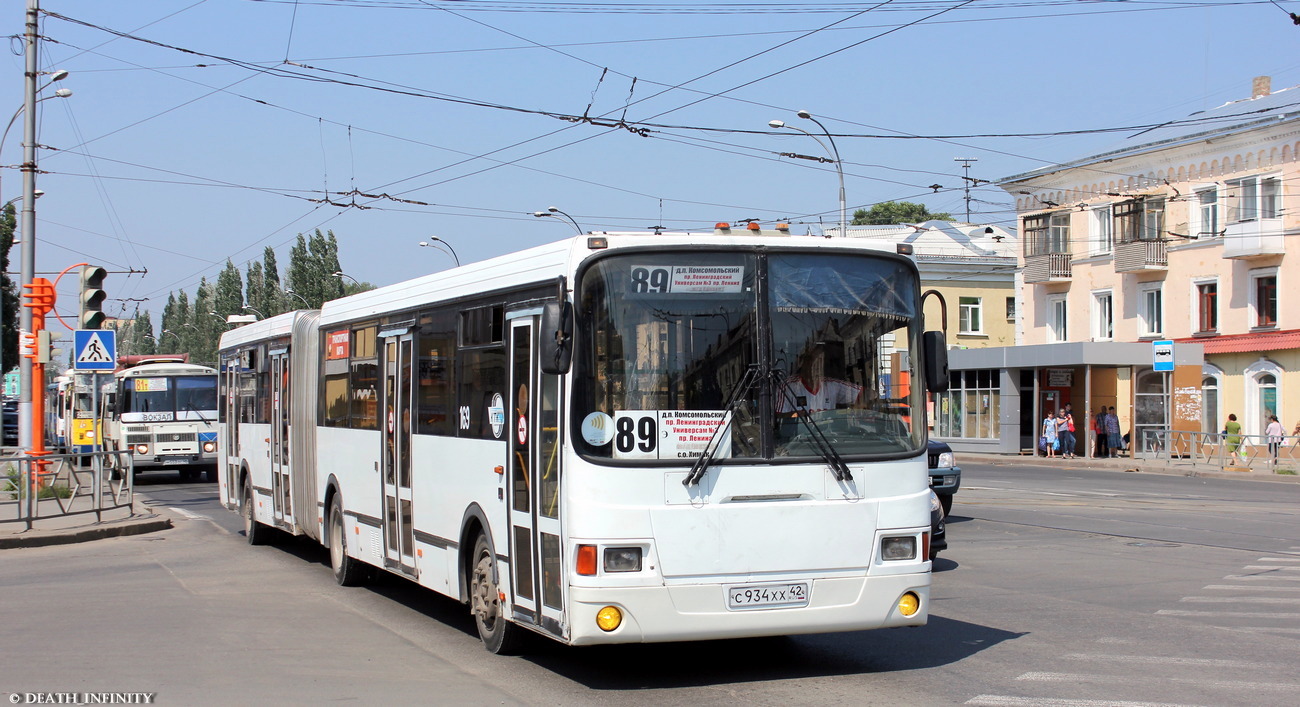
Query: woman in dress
pixel 1049 434
pixel 1232 438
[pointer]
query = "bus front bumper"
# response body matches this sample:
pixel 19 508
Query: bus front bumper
pixel 699 611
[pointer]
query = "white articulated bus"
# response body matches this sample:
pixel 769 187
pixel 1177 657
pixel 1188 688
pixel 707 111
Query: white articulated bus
pixel 614 438
pixel 164 411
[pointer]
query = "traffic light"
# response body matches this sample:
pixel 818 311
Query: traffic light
pixel 92 297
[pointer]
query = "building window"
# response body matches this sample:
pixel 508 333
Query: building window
pixel 1047 233
pixel 1207 307
pixel 1103 316
pixel 970 407
pixel 1011 309
pixel 1264 383
pixel 1140 220
pixel 1056 319
pixel 1152 309
pixel 972 317
pixel 1263 297
pixel 1254 198
pixel 1207 213
pixel 1101 235
pixel 1210 405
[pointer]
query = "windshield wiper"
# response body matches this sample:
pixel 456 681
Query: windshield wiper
pixel 190 404
pixel 728 416
pixel 823 446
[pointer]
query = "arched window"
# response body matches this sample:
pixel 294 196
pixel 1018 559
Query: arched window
pixel 1263 395
pixel 1210 413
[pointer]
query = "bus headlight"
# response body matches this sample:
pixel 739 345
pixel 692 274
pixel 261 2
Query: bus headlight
pixel 209 447
pixel 609 618
pixel 141 449
pixel 622 559
pixel 902 547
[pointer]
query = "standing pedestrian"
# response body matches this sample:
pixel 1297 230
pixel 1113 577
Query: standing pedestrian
pixel 1049 438
pixel 1232 438
pixel 1275 433
pixel 1065 432
pixel 1113 441
pixel 1099 426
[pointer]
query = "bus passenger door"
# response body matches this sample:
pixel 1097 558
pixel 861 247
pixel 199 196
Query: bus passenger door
pixel 536 557
pixel 283 510
pixel 231 461
pixel 399 534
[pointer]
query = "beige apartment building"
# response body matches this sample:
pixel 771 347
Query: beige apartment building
pixel 1178 234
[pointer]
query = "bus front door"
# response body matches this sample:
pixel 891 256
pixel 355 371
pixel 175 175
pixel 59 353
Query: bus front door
pixel 536 555
pixel 281 496
pixel 399 535
pixel 230 459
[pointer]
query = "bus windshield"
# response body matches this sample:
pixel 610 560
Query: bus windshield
pixel 170 394
pixel 686 350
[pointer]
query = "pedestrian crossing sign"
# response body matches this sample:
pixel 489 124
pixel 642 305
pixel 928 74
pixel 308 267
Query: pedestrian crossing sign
pixel 94 350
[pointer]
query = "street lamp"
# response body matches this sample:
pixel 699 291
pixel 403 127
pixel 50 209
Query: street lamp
pixel 60 93
pixel 289 291
pixel 450 250
pixel 833 150
pixel 552 210
pixel 340 274
pixel 247 308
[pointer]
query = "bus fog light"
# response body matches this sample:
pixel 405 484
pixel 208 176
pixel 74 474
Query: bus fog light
pixel 898 548
pixel 622 559
pixel 141 449
pixel 209 447
pixel 909 604
pixel 609 618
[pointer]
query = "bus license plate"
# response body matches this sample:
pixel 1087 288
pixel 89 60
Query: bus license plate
pixel 767 596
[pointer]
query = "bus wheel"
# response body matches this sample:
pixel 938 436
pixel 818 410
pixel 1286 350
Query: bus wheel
pixel 348 571
pixel 256 533
pixel 210 474
pixel 499 635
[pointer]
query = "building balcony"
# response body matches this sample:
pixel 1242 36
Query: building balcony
pixel 1137 256
pixel 1254 239
pixel 1048 267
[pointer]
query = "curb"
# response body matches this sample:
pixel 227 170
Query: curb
pixel 1145 466
pixel 86 533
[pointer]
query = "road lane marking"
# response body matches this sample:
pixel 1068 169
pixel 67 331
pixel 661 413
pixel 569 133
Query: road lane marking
pixel 1144 680
pixel 1170 660
pixel 1250 588
pixel 1271 567
pixel 1012 701
pixel 1278 559
pixel 1242 600
pixel 188 514
pixel 1231 614
pixel 1258 577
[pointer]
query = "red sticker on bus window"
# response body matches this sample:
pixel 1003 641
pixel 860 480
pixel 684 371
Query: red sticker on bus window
pixel 523 430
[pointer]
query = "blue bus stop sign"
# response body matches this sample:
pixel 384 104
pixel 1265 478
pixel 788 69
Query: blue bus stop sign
pixel 1163 355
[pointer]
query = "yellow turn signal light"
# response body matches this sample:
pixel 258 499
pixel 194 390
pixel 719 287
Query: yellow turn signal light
pixel 609 618
pixel 909 604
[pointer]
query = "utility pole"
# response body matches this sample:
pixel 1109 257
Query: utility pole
pixel 27 409
pixel 965 165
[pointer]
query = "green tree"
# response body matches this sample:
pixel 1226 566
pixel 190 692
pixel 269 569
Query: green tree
pixel 272 296
pixel 8 294
pixel 888 213
pixel 255 288
pixel 201 339
pixel 137 337
pixel 228 295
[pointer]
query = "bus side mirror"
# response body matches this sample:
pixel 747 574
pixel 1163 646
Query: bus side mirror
pixel 556 348
pixel 935 348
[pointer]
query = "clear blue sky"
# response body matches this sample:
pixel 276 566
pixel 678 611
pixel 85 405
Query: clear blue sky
pixel 173 162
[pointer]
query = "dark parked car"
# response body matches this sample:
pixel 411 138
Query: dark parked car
pixel 10 425
pixel 945 475
pixel 938 528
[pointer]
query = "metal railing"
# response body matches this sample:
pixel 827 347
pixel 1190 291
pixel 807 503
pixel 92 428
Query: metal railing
pixel 60 485
pixel 1223 450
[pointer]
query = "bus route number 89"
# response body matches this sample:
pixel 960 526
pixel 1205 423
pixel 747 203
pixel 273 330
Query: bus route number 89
pixel 635 433
pixel 649 280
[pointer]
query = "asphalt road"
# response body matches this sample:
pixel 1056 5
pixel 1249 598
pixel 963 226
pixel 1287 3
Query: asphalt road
pixel 1060 587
